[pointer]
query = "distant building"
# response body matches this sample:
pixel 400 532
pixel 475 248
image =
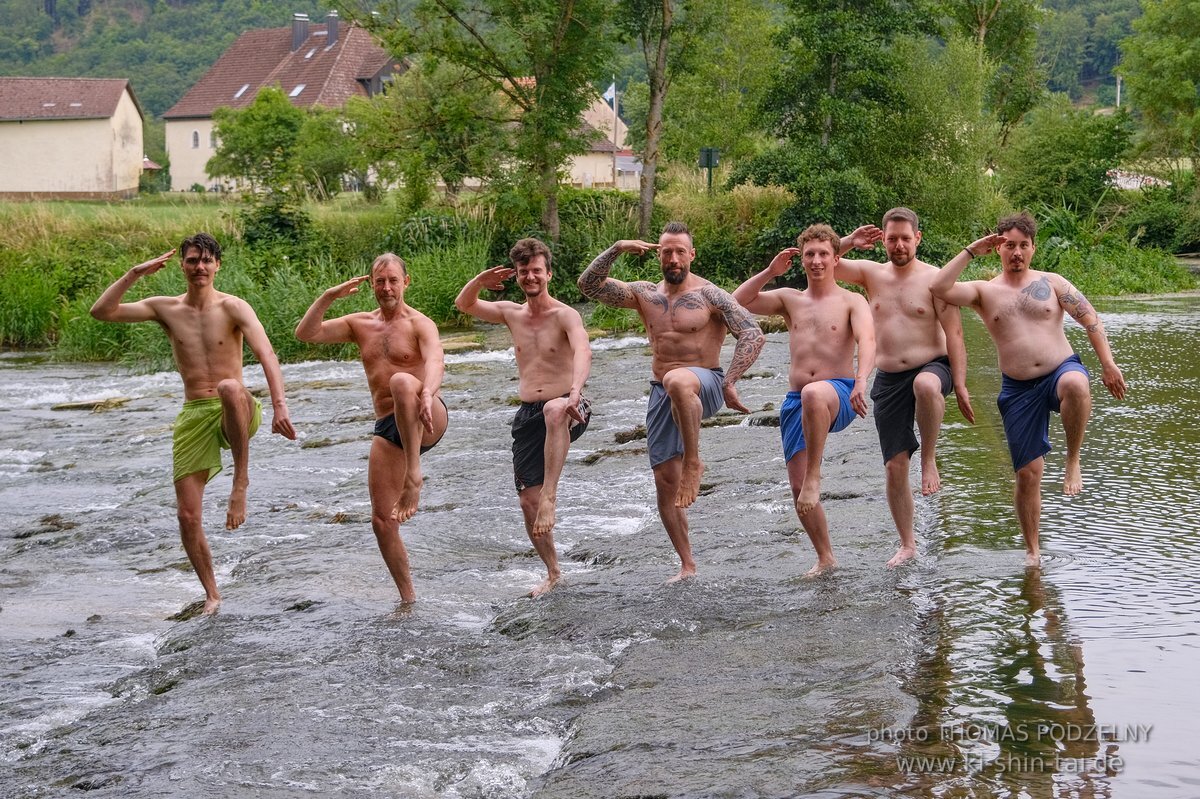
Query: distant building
pixel 315 65
pixel 595 168
pixel 69 138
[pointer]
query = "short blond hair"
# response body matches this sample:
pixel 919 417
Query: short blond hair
pixel 820 232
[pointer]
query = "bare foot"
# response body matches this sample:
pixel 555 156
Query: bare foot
pixel 903 555
pixel 686 573
pixel 1073 482
pixel 237 507
pixel 931 481
pixel 689 483
pixel 406 506
pixel 1033 559
pixel 211 604
pixel 545 586
pixel 820 567
pixel 809 497
pixel 544 522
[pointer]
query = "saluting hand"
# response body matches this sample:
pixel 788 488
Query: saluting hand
pixel 351 286
pixel 863 238
pixel 782 262
pixel 493 279
pixel 153 265
pixel 987 244
pixel 635 246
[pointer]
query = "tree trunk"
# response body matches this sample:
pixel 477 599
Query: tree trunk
pixel 549 181
pixel 657 78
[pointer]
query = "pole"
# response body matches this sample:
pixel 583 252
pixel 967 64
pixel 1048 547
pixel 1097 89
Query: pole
pixel 616 100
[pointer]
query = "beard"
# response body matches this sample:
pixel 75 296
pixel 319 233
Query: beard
pixel 901 260
pixel 675 278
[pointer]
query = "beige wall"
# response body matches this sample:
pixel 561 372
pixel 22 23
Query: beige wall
pixel 596 170
pixel 187 162
pixel 86 157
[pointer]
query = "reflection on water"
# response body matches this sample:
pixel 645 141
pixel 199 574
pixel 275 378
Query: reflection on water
pixel 960 675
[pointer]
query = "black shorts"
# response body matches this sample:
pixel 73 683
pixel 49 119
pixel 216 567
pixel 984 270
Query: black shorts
pixel 529 441
pixel 896 407
pixel 386 429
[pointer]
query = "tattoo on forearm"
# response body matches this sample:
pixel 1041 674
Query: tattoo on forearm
pixel 750 338
pixel 594 282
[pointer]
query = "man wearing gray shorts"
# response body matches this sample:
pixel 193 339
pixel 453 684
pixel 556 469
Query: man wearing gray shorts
pixel 686 319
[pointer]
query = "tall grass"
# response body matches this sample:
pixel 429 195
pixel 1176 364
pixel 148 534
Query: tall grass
pixel 56 259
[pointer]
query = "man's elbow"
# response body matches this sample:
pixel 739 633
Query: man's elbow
pixel 101 313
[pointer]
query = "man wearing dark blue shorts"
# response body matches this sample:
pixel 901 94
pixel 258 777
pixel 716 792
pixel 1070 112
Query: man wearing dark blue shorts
pixel 1023 311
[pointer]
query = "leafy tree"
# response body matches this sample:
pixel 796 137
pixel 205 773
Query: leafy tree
pixel 1004 32
pixel 1060 156
pixel 437 121
pixel 324 153
pixel 540 55
pixel 257 144
pixel 667 32
pixel 1162 70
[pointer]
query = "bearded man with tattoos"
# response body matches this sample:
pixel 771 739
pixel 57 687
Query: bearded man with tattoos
pixel 686 319
pixel 1023 309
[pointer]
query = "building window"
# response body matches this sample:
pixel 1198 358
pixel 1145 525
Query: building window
pixel 195 140
pixel 212 140
pixel 296 91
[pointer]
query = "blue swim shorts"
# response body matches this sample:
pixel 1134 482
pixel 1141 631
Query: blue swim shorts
pixel 663 439
pixel 791 415
pixel 1025 406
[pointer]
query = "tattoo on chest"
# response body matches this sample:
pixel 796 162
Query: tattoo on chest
pixel 651 296
pixel 1038 290
pixel 690 302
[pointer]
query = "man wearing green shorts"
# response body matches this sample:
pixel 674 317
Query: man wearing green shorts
pixel 207 329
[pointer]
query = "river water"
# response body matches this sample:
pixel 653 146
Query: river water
pixel 962 674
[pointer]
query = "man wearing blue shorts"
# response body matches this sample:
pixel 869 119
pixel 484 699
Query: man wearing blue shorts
pixel 1023 311
pixel 826 324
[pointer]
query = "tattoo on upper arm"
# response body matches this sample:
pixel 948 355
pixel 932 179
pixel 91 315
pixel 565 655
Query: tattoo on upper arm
pixel 1078 306
pixel 750 338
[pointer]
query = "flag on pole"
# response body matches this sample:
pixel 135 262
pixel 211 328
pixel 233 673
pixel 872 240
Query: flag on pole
pixel 610 93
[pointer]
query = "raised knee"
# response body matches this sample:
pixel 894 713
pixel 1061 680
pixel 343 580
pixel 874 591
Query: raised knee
pixel 1073 385
pixel 555 413
pixel 678 382
pixel 927 388
pixel 229 389
pixel 404 386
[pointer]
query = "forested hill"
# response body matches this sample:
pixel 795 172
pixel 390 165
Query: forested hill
pixel 162 46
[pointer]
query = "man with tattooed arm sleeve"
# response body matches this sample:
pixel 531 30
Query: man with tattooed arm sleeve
pixel 686 319
pixel 1023 311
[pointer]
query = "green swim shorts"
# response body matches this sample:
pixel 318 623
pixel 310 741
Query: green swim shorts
pixel 199 438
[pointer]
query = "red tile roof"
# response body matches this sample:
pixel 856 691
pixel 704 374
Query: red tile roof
pixel 259 58
pixel 27 99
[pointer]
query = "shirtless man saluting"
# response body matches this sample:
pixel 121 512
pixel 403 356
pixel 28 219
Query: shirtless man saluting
pixel 402 356
pixel 554 359
pixel 1023 311
pixel 920 357
pixel 207 329
pixel 825 323
pixel 686 319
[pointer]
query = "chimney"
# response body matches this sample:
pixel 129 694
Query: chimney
pixel 331 28
pixel 299 30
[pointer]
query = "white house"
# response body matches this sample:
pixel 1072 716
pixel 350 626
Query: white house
pixel 69 138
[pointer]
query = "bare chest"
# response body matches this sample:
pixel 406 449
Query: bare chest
pixel 1032 305
pixel 685 314
pixel 388 345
